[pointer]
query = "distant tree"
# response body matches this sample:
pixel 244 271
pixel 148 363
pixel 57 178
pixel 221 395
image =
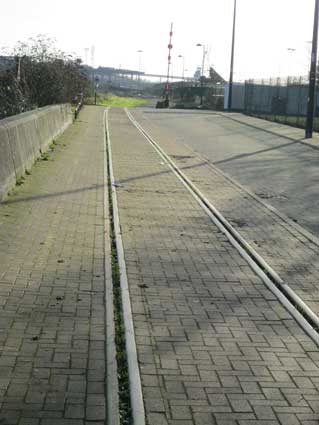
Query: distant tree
pixel 50 75
pixel 12 100
pixel 43 75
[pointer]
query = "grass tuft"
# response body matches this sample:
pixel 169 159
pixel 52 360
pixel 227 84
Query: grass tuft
pixel 125 410
pixel 117 101
pixel 20 181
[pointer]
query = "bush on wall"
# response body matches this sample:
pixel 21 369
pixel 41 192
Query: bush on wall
pixel 39 75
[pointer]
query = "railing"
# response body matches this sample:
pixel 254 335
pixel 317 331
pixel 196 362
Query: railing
pixel 283 100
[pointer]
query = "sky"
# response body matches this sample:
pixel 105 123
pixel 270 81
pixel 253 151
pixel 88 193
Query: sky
pixel 117 29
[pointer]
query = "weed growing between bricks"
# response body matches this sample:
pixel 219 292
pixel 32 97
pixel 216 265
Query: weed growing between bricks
pixel 20 181
pixel 125 410
pixel 45 156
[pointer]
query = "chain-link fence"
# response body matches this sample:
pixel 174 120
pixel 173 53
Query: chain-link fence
pixel 282 100
pixel 189 95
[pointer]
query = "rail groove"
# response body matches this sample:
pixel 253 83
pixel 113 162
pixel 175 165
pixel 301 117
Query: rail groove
pixel 135 386
pixel 111 367
pixel 306 318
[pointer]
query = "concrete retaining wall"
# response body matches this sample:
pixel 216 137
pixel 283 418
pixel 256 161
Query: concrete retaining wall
pixel 24 137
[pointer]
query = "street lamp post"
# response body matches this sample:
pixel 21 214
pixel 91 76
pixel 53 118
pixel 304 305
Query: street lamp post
pixel 183 74
pixel 96 85
pixel 139 66
pixel 312 75
pixel 19 69
pixel 230 85
pixel 291 51
pixel 183 57
pixel 202 73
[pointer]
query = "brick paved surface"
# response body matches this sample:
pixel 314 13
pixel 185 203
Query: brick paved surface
pixel 52 336
pixel 214 345
pixel 275 128
pixel 284 246
pixel 282 171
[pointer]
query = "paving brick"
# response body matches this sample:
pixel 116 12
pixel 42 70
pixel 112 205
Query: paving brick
pixel 181 412
pixel 264 412
pixel 95 413
pixel 74 412
pixel 157 419
pixel 29 421
pixel 240 406
pixel 52 227
pixel 220 346
pixel 154 405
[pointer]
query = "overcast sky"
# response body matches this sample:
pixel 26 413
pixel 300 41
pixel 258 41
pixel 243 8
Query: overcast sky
pixel 118 28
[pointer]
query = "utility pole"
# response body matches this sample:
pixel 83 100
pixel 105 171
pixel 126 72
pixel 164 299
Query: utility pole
pixel 202 79
pixel 202 73
pixel 230 85
pixel 183 75
pixel 92 56
pixel 139 67
pixel 312 75
pixel 183 70
pixel 86 55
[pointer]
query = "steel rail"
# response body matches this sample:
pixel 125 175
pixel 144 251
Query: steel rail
pixel 302 313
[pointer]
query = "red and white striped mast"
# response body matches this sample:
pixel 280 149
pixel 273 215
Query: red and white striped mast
pixel 170 46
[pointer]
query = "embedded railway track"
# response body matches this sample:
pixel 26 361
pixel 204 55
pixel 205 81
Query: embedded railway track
pixel 298 309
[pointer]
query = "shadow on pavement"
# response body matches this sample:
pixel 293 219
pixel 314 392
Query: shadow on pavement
pixel 93 187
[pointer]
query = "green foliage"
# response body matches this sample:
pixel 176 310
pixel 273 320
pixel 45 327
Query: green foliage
pixel 12 100
pixel 45 156
pixel 117 101
pixel 20 181
pixel 40 75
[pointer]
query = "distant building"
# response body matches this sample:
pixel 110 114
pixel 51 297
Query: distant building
pixel 198 73
pixel 6 62
pixel 214 77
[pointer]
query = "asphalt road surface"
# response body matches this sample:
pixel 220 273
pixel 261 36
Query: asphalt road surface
pixel 282 172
